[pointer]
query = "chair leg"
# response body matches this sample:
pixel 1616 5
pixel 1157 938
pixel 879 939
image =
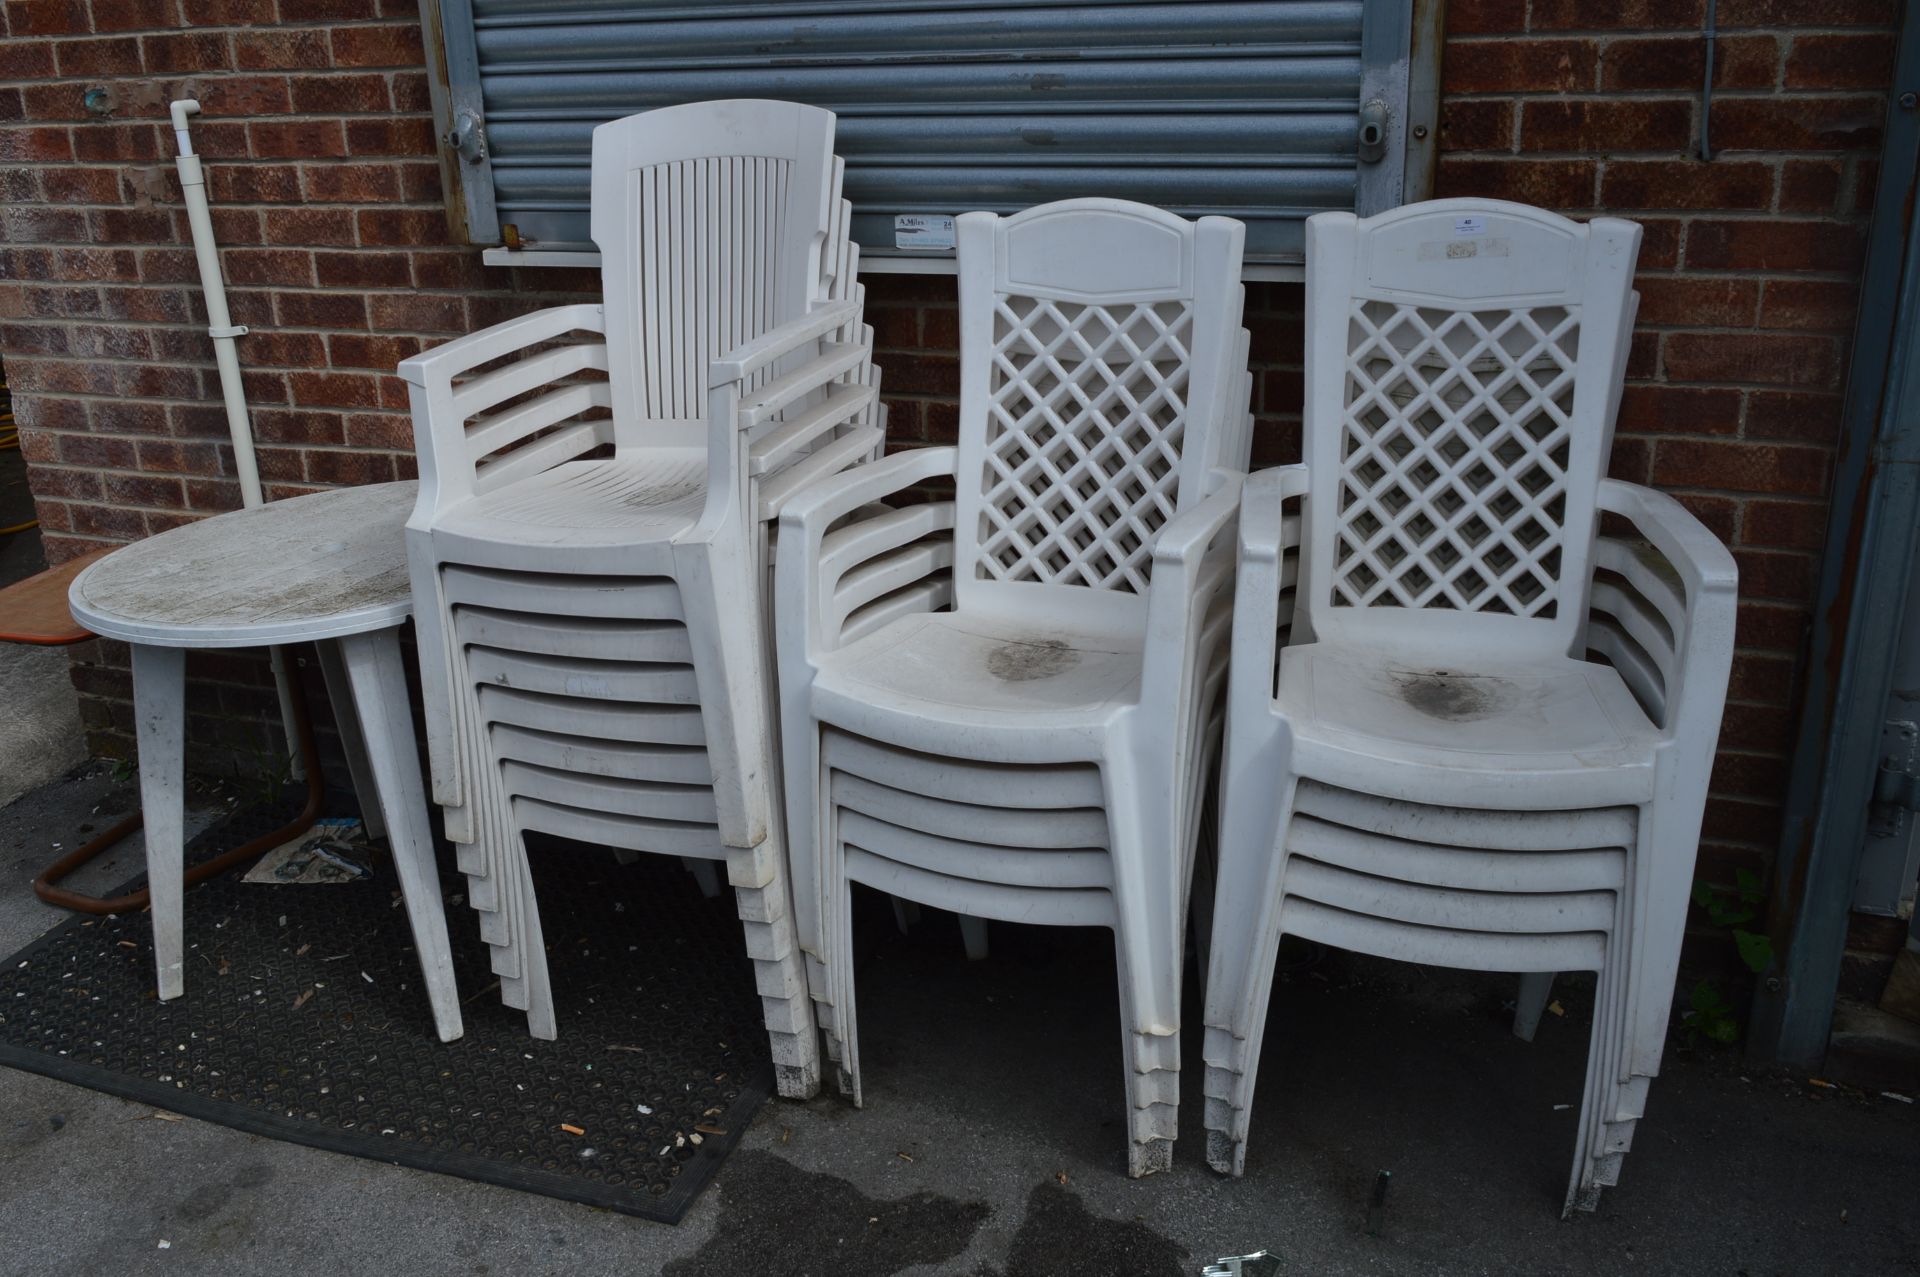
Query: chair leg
pixel 973 934
pixel 840 981
pixel 1246 940
pixel 1535 988
pixel 721 599
pixel 531 941
pixel 761 890
pixel 1150 940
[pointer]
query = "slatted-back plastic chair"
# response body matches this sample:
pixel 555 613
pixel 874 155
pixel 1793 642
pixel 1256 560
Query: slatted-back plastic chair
pixel 1486 740
pixel 593 646
pixel 998 704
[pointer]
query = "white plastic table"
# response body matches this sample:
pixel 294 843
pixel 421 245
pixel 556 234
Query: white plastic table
pixel 328 568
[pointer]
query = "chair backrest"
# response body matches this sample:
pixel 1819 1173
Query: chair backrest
pixel 1097 397
pixel 1464 361
pixel 711 219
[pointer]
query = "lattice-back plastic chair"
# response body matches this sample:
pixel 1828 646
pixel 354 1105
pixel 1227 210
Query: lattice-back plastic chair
pixel 999 704
pixel 1487 740
pixel 591 626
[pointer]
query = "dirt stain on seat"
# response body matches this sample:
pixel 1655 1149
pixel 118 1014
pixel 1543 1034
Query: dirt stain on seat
pixel 1451 697
pixel 1023 660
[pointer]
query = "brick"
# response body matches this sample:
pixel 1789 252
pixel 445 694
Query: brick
pixel 1490 17
pixel 362 270
pixel 151 381
pixel 1659 242
pixel 1562 184
pixel 43 225
pixel 254 183
pixel 168 266
pixel 47 17
pixel 454 269
pixel 107 521
pixel 323 310
pixel 1619 15
pixel 96 264
pixel 1777 245
pixel 286 350
pixel 119 55
pixel 301 426
pixel 388 46
pixel 1680 62
pixel 230 225
pixel 35 145
pixel 410 92
pixel 386 431
pixel 1830 61
pixel 282 50
pixel 351 183
pixel 32 339
pixel 115 341
pixel 173 457
pixel 1637 184
pixel 63 101
pixel 99 452
pixel 1519 66
pixel 323 10
pixel 80 185
pixel 1731 466
pixel 1607 126
pixel 1827 305
pixel 228 13
pixel 1721 515
pixel 341 94
pixel 12 107
pixel 349 467
pixel 73 485
pixel 264 386
pixel 1771 626
pixel 127 225
pixel 1771 574
pixel 145 305
pixel 316 226
pixel 1475 125
pixel 1749 775
pixel 1810 186
pixel 358 350
pixel 403 227
pixel 335 389
pixel 1807 13
pixel 406 136
pixel 300 139
pixel 246 96
pixel 131 15
pixel 1798 525
pixel 1761 677
pixel 1669 409
pixel 116 143
pixel 1767 358
pixel 1866 174
pixel 1697 301
pixel 26 60
pixel 420 183
pixel 1795 416
pixel 414 312
pixel 144 490
pixel 193 53
pixel 1798 124
pixel 269 266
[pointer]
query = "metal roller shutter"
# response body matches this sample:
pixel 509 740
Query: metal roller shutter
pixel 1254 110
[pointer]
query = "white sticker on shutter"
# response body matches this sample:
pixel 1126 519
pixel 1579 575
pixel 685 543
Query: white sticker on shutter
pixel 919 231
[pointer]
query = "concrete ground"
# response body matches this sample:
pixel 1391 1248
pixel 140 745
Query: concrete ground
pixel 991 1144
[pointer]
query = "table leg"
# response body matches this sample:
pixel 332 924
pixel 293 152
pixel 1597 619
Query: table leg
pixel 159 714
pixel 352 742
pixel 379 698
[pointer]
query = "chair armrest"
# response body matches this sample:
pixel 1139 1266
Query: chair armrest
pixel 805 582
pixel 743 361
pixel 1699 614
pixel 1187 570
pixel 1257 582
pixel 445 362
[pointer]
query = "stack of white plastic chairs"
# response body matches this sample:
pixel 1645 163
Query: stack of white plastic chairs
pixel 592 626
pixel 1463 728
pixel 999 704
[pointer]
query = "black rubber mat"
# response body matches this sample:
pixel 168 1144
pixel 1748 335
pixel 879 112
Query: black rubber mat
pixel 305 1020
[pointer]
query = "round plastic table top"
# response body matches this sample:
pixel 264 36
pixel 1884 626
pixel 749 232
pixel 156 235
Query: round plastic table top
pixel 312 567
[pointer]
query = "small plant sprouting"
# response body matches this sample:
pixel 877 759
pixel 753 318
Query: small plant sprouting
pixel 1709 1013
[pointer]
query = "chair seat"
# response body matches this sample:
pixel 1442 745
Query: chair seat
pixel 651 497
pixel 1022 692
pixel 1524 734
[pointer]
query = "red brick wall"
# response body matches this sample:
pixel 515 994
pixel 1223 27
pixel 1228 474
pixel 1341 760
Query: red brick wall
pixel 319 145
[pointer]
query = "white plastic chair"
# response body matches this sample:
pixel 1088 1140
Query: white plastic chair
pixel 591 626
pixel 1033 753
pixel 1461 729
